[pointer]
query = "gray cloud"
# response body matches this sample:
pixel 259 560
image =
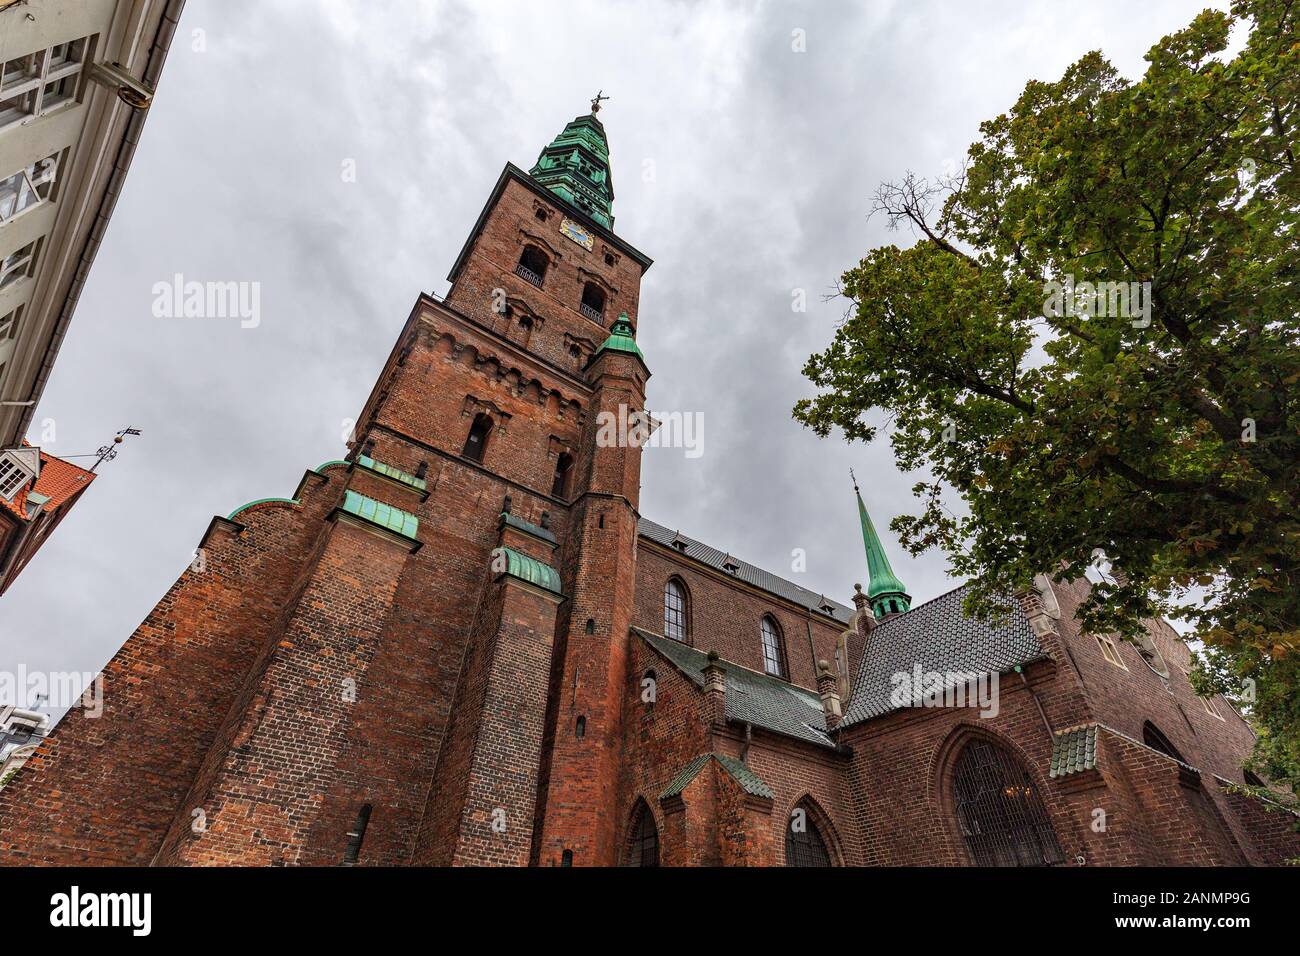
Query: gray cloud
pixel 763 162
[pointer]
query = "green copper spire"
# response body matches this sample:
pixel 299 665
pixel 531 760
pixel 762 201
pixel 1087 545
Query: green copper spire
pixel 622 338
pixel 887 593
pixel 575 166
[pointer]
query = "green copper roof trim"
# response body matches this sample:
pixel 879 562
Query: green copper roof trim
pixel 388 470
pixel 262 501
pixel 527 527
pixel 325 464
pixel 621 338
pixel 1074 750
pixel 394 519
pixel 749 781
pixel 883 581
pixel 531 570
pixel 575 166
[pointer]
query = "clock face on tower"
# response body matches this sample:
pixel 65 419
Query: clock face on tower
pixel 578 233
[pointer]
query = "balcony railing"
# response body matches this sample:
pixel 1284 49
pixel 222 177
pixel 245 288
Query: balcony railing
pixel 594 314
pixel 524 272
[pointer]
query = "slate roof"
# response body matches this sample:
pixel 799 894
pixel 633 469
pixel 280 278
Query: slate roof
pixel 749 781
pixel 748 573
pixel 753 698
pixel 940 637
pixel 1074 750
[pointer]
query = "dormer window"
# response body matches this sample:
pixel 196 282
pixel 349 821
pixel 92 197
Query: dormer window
pixel 729 565
pixel 14 475
pixel 593 303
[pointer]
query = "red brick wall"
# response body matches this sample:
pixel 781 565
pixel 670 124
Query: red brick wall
pixel 105 790
pixel 491 265
pixel 659 739
pixel 900 775
pixel 724 615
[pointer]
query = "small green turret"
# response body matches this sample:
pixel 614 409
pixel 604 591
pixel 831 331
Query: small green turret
pixel 888 594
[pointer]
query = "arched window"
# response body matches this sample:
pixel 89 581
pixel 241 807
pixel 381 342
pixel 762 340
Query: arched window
pixel 593 302
pixel 675 610
pixel 1153 738
pixel 643 837
pixel 998 809
pixel 773 651
pixel 476 443
pixel 804 843
pixel 563 465
pixel 532 265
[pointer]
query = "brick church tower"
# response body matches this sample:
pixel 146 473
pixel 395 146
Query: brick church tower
pixel 420 656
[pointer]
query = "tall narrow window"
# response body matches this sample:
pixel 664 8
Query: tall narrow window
pixel 1110 650
pixel 532 265
pixel 643 838
pixel 1153 738
pixel 773 652
pixel 563 465
pixel 593 302
pixel 356 835
pixel 804 843
pixel 998 809
pixel 476 443
pixel 674 610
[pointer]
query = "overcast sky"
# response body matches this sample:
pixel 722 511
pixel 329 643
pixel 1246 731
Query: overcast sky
pixel 743 167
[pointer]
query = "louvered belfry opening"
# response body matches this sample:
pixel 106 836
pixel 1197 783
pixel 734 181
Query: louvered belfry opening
pixel 999 811
pixel 804 845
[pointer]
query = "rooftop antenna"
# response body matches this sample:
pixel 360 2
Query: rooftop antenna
pixel 595 102
pixel 109 452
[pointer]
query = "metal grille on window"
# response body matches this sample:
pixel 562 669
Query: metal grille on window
pixel 773 661
pixel 804 846
pixel 674 611
pixel 999 811
pixel 643 849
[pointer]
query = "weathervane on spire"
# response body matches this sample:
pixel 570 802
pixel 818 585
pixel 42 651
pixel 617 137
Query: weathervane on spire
pixel 855 481
pixel 595 102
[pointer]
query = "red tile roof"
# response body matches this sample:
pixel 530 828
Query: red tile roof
pixel 59 481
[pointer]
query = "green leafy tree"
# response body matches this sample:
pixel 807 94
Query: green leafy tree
pixel 1158 422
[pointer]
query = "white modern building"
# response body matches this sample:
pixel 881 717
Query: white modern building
pixel 21 732
pixel 76 81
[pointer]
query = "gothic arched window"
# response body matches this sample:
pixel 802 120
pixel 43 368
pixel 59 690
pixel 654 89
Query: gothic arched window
pixel 476 442
pixel 804 843
pixel 643 838
pixel 593 302
pixel 773 651
pixel 1153 738
pixel 998 809
pixel 675 610
pixel 532 265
